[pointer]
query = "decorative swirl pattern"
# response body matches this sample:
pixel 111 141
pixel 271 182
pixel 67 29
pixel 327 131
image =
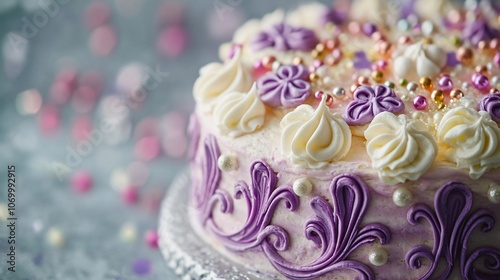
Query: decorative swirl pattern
pixel 204 192
pixel 400 149
pixel 471 140
pixel 216 79
pixel 337 231
pixel 420 60
pixel 479 30
pixel 369 102
pixel 239 113
pixel 313 138
pixel 284 37
pixel 491 104
pixel 287 87
pixel 452 225
pixel 262 199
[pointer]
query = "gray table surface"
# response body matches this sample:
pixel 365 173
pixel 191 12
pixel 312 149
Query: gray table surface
pixel 91 222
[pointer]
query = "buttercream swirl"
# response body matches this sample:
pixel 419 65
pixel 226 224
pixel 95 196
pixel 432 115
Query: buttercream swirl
pixel 313 138
pixel 369 102
pixel 217 78
pixel 284 37
pixel 400 149
pixel 420 60
pixel 470 139
pixel 287 87
pixel 491 104
pixel 239 113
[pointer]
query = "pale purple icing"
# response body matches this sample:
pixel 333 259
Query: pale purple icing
pixel 361 61
pixel 287 87
pixel 479 30
pixel 284 37
pixel 334 16
pixel 194 135
pixel 491 104
pixel 261 198
pixel 337 231
pixel 452 225
pixel 369 102
pixel 205 191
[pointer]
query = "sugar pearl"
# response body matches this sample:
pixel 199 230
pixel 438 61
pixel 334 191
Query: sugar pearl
pixel 465 55
pixel 427 28
pixel 445 83
pixel 426 83
pixel 496 59
pixel 467 102
pixel 227 162
pixel 302 187
pixel 55 237
pixel 495 81
pixel 339 92
pixel 378 256
pixel 389 84
pixel 437 95
pixel 466 86
pixel 378 76
pixel 276 65
pixel 411 86
pixel 438 116
pixel 402 196
pixel 480 82
pixel 151 238
pixel 494 193
pixel 128 232
pixel 363 80
pixel 420 102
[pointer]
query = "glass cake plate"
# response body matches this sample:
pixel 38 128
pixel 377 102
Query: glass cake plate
pixel 187 253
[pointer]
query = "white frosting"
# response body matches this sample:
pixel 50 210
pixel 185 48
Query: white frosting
pixel 239 113
pixel 376 11
pixel 400 149
pixel 216 79
pixel 470 139
pixel 302 15
pixel 419 60
pixel 313 138
pixel 432 9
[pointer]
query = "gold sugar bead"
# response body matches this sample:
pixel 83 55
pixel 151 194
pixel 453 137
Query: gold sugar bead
pixel 456 94
pixel 426 83
pixel 313 77
pixel 465 55
pixel 378 76
pixel 441 106
pixel 437 95
pixel 298 60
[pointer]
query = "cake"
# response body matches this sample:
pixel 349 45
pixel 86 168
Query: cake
pixel 357 142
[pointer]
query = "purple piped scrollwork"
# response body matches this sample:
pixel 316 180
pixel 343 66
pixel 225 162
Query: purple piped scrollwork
pixel 287 87
pixel 452 226
pixel 194 136
pixel 491 104
pixel 337 231
pixel 369 102
pixel 205 192
pixel 262 198
pixel 284 37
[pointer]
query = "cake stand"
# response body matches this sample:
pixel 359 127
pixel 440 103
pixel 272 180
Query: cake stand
pixel 185 252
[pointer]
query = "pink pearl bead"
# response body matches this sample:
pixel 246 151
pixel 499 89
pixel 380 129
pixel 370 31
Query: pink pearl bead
pixel 318 95
pixel 480 82
pixel 258 69
pixel 337 54
pixel 81 181
pixel 151 238
pixel 420 102
pixel 148 148
pixel 317 63
pixel 130 195
pixel 329 100
pixel 382 65
pixel 496 59
pixel 445 83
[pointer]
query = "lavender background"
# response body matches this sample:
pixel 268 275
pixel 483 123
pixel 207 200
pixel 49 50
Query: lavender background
pixel 91 222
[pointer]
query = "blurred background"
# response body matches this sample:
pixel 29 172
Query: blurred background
pixel 95 98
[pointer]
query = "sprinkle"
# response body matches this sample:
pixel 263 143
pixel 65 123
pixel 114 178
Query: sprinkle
pixel 172 41
pixel 55 237
pixel 151 238
pixel 148 148
pixel 81 182
pixel 128 232
pixel 130 195
pixel 141 267
pixel 103 40
pixel 29 102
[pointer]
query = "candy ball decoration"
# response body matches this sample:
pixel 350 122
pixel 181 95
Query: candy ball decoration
pixel 81 181
pixel 480 82
pixel 378 256
pixel 445 83
pixel 302 187
pixel 402 197
pixel 494 193
pixel 227 162
pixel 465 55
pixel 151 238
pixel 420 102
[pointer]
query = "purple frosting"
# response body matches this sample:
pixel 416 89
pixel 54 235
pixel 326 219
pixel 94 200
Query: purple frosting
pixel 369 102
pixel 194 135
pixel 491 104
pixel 205 191
pixel 287 87
pixel 334 16
pixel 480 30
pixel 284 37
pixel 261 197
pixel 452 225
pixel 337 231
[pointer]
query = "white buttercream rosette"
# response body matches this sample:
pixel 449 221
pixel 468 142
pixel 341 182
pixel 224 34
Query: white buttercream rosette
pixel 419 60
pixel 400 149
pixel 470 139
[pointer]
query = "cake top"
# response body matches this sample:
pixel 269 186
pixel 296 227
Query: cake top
pixel 412 85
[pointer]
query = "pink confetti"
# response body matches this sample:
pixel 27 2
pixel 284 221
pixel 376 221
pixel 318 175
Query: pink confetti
pixel 103 40
pixel 96 15
pixel 81 128
pixel 130 195
pixel 151 238
pixel 148 148
pixel 49 119
pixel 84 99
pixel 81 182
pixel 172 41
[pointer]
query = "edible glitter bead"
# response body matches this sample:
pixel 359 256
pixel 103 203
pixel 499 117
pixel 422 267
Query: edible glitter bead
pixel 441 106
pixel 318 95
pixel 456 94
pixel 227 162
pixel 426 83
pixel 378 76
pixel 339 91
pixel 403 82
pixel 480 82
pixel 389 84
pixel 130 195
pixel 151 238
pixel 411 86
pixel 378 256
pixel 437 95
pixel 445 83
pixel 329 100
pixel 313 77
pixel 402 197
pixel 481 69
pixel 363 80
pixel 495 80
pixel 276 65
pixel 420 102
pixel 494 193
